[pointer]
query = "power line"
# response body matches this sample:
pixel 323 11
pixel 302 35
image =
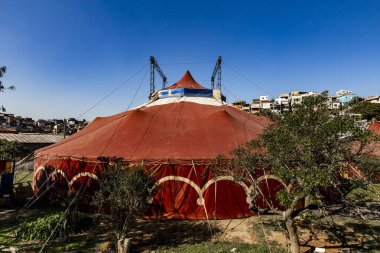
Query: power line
pixel 247 79
pixel 112 92
pixel 137 91
pixel 187 63
pixel 80 189
pixel 232 94
pixel 76 136
pixel 121 119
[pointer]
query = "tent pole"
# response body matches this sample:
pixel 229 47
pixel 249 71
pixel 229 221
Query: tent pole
pixel 203 204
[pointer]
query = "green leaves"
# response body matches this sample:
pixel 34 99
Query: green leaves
pixel 41 228
pixel 307 149
pixel 285 198
pixel 11 149
pixel 3 69
pixel 308 146
pixel 123 193
pixel 367 110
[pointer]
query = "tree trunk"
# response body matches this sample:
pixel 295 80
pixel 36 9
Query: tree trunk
pixel 290 227
pixel 65 231
pixel 123 245
pixel 307 200
pixel 293 237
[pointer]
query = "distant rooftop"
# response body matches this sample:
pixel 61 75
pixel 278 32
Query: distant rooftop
pixel 32 138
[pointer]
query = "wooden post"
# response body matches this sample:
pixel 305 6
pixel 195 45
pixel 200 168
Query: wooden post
pixel 123 245
pixel 307 200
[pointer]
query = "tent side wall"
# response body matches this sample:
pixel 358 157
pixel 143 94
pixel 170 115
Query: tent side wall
pixel 182 191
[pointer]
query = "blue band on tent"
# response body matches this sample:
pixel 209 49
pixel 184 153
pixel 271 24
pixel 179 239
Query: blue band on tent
pixel 180 92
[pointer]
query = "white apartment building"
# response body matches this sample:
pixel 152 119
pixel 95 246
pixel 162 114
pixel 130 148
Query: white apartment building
pixel 334 103
pixel 373 99
pixel 343 92
pixel 265 103
pixel 282 102
pixel 296 97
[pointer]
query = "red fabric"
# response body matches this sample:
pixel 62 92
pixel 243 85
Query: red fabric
pixel 375 127
pixel 174 199
pixel 373 148
pixel 68 167
pixel 267 197
pixel 173 132
pixel 176 140
pixel 187 81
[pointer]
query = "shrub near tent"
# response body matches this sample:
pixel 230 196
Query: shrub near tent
pixel 123 194
pixel 43 227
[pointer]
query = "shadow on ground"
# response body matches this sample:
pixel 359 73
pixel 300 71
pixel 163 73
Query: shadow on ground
pixel 152 234
pixel 356 227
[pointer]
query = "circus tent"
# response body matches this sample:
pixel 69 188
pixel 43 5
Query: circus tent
pixel 375 127
pixel 176 136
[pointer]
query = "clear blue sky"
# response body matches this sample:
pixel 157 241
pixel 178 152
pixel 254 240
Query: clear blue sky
pixel 64 56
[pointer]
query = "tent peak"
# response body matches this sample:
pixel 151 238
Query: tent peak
pixel 187 81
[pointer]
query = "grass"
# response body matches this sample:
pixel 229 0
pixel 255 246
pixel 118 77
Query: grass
pixel 351 227
pixel 374 192
pixel 66 247
pixel 371 194
pixel 219 247
pixel 6 238
pixel 78 242
pixel 23 177
pixel 22 184
pixel 356 223
pixel 9 223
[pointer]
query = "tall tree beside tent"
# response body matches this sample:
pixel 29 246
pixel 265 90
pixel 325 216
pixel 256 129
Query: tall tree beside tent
pixel 308 150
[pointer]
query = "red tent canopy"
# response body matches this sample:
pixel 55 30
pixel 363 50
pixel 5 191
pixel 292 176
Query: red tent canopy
pixel 374 147
pixel 187 81
pixel 375 127
pixel 177 138
pixel 179 131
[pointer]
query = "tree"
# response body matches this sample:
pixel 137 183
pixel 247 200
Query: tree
pixel 269 114
pixel 3 69
pixel 10 150
pixel 368 110
pixel 354 101
pixel 307 149
pixel 123 194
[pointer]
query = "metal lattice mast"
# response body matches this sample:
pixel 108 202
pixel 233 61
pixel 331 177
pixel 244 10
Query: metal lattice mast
pixel 217 73
pixel 155 67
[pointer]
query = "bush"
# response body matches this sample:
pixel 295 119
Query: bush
pixel 367 110
pixel 41 228
pixel 12 149
pixel 123 194
pixel 80 222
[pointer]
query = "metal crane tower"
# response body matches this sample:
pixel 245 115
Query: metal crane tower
pixel 154 66
pixel 217 72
